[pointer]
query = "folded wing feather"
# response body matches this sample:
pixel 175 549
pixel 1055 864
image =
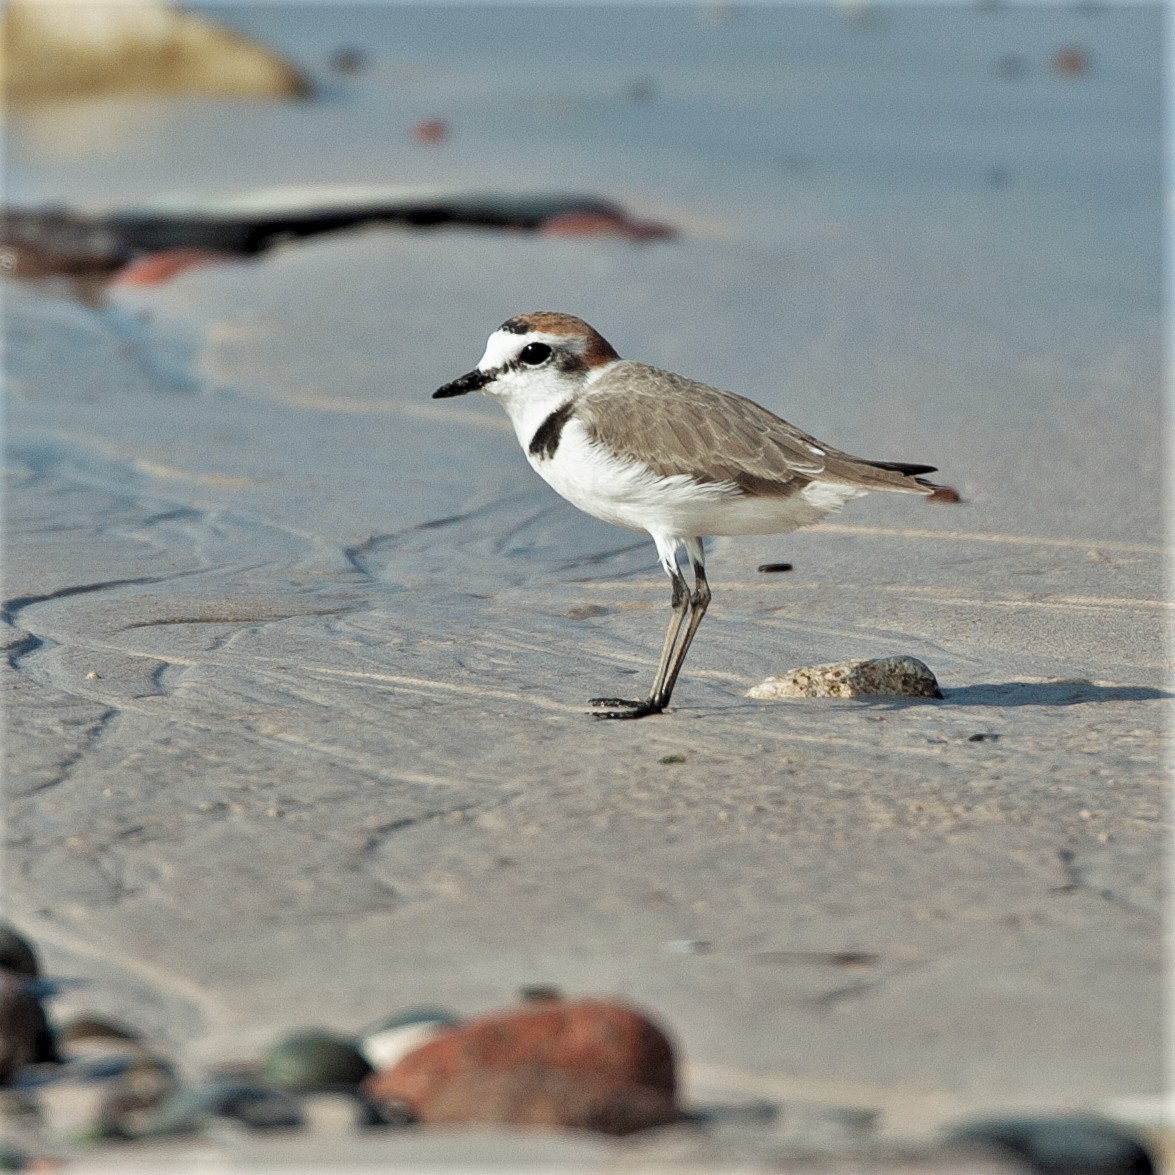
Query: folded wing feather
pixel 676 426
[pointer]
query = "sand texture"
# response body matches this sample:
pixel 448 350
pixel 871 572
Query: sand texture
pixel 299 659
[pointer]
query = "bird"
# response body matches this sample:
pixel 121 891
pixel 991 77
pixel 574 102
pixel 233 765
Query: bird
pixel 649 450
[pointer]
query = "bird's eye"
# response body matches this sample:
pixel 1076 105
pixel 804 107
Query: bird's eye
pixel 535 353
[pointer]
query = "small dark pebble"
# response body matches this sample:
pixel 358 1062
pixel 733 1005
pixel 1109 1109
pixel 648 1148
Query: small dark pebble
pixel 773 567
pixel 348 60
pixel 1061 1145
pixel 537 992
pixel 846 959
pixel 983 738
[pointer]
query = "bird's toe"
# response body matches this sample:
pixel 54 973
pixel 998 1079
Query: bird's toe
pixel 625 708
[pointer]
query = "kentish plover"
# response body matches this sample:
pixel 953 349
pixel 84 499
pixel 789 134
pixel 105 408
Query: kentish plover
pixel 649 450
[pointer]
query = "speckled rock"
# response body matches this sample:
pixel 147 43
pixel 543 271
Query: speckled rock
pixel 589 1064
pixel 883 677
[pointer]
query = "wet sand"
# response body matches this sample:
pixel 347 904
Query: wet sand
pixel 296 722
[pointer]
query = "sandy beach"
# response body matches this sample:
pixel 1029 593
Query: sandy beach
pixel 299 658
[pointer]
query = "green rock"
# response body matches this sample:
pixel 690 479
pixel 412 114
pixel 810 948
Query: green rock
pixel 314 1060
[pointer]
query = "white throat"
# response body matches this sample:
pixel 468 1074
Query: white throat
pixel 529 407
pixel 529 397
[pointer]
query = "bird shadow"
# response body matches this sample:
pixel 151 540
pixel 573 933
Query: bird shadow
pixel 1049 693
pixel 1002 694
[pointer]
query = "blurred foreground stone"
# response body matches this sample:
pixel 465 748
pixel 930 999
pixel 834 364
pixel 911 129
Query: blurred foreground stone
pixel 535 1095
pixel 53 49
pixel 314 1060
pixel 882 677
pixel 17 954
pixel 20 1025
pixel 587 1064
pixel 1058 1144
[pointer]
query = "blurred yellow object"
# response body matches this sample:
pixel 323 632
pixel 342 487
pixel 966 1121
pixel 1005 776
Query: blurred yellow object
pixel 56 48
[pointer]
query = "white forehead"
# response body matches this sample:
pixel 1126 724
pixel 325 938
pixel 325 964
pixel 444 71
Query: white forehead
pixel 503 345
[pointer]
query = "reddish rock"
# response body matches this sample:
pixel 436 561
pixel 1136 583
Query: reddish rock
pixel 536 1095
pixel 431 131
pixel 157 268
pixel 590 1064
pixel 592 223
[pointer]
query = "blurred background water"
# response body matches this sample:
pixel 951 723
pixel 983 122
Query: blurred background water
pixel 865 110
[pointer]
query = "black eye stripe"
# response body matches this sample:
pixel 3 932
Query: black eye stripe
pixel 535 353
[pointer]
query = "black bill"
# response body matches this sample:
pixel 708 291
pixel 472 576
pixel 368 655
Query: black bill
pixel 471 381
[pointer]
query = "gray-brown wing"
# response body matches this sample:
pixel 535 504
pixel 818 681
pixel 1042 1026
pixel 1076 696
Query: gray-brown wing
pixel 677 426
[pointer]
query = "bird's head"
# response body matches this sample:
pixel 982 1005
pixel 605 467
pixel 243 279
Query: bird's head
pixel 543 356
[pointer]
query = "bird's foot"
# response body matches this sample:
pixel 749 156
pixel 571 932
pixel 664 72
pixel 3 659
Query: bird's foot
pixel 619 708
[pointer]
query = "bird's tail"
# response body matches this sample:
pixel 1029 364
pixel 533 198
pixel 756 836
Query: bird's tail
pixel 892 475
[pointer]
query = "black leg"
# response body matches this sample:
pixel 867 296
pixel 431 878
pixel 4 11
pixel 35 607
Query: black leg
pixel 699 602
pixel 635 708
pixel 686 604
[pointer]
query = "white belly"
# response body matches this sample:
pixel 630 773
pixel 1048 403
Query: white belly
pixel 630 495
